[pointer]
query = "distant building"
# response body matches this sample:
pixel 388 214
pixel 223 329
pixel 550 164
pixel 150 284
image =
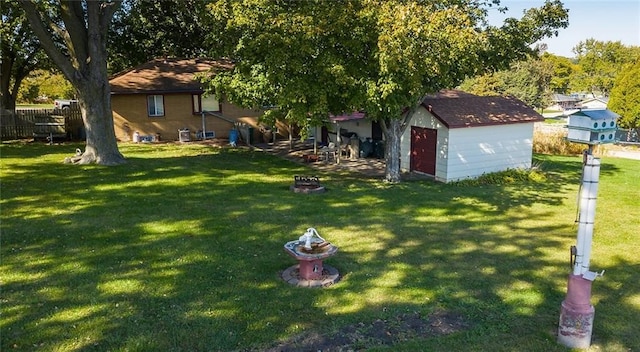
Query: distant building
pixel 163 97
pixel 594 103
pixel 564 102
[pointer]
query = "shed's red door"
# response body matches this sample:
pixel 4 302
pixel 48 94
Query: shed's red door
pixel 423 150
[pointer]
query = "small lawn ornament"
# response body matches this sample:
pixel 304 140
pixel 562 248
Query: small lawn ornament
pixel 74 159
pixel 310 250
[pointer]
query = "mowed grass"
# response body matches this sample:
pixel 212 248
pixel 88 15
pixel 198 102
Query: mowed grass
pixel 181 248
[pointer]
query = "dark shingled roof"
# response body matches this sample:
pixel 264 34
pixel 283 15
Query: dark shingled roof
pixel 457 109
pixel 164 76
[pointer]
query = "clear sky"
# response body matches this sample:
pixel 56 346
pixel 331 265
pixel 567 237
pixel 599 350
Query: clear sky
pixel 610 20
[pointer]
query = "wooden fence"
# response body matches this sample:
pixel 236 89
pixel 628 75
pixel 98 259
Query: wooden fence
pixel 23 123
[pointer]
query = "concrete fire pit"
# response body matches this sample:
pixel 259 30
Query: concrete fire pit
pixel 307 184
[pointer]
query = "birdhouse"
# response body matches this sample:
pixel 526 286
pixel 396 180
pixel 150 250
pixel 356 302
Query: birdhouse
pixel 592 126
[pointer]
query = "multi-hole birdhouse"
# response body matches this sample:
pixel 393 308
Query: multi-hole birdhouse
pixel 592 126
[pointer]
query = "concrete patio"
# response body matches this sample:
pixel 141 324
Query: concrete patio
pixel 370 167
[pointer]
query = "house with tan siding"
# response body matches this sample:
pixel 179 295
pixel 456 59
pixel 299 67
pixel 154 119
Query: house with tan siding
pixel 162 99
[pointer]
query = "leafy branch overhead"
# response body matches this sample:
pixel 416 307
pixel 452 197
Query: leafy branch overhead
pixel 382 56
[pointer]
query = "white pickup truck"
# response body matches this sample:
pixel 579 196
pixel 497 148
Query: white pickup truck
pixel 65 103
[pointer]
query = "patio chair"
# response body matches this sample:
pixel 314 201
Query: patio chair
pixel 329 152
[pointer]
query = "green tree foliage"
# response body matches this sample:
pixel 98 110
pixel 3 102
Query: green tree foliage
pixel 527 80
pixel 489 84
pixel 563 68
pixel 20 52
pixel 530 82
pixel 380 56
pixel 625 97
pixel 302 57
pixel 44 83
pixel 595 70
pixel 599 64
pixel 143 30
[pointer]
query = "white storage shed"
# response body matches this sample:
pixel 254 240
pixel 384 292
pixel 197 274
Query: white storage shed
pixel 456 135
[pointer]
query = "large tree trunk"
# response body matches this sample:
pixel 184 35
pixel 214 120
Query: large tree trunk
pixel 84 64
pixel 95 104
pixel 12 72
pixel 7 100
pixel 393 130
pixel 392 134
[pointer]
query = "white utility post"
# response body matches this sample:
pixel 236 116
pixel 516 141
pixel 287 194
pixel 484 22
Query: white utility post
pixel 204 127
pixel 589 127
pixel 577 313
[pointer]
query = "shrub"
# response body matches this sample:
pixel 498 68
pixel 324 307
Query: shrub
pixel 509 176
pixel 555 143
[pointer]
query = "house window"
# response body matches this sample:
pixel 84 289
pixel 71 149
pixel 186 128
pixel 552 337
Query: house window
pixel 155 105
pixel 210 103
pixel 196 103
pixel 205 103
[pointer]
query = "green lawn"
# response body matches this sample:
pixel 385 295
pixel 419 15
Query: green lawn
pixel 180 249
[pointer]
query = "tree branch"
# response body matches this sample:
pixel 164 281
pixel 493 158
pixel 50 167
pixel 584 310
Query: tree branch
pixel 46 40
pixel 73 17
pixel 96 42
pixel 108 10
pixel 99 17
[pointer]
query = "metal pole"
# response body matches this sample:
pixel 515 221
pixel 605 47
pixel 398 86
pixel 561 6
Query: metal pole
pixel 591 173
pixel 339 142
pixel 315 140
pixel 204 128
pixel 577 313
pixel 290 136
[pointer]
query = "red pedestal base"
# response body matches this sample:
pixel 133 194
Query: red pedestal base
pixel 576 314
pixel 310 269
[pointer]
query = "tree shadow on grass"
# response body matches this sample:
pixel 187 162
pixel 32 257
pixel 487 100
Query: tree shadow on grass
pixel 183 253
pixel 616 304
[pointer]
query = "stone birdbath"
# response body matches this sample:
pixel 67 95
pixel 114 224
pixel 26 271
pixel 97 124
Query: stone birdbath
pixel 310 250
